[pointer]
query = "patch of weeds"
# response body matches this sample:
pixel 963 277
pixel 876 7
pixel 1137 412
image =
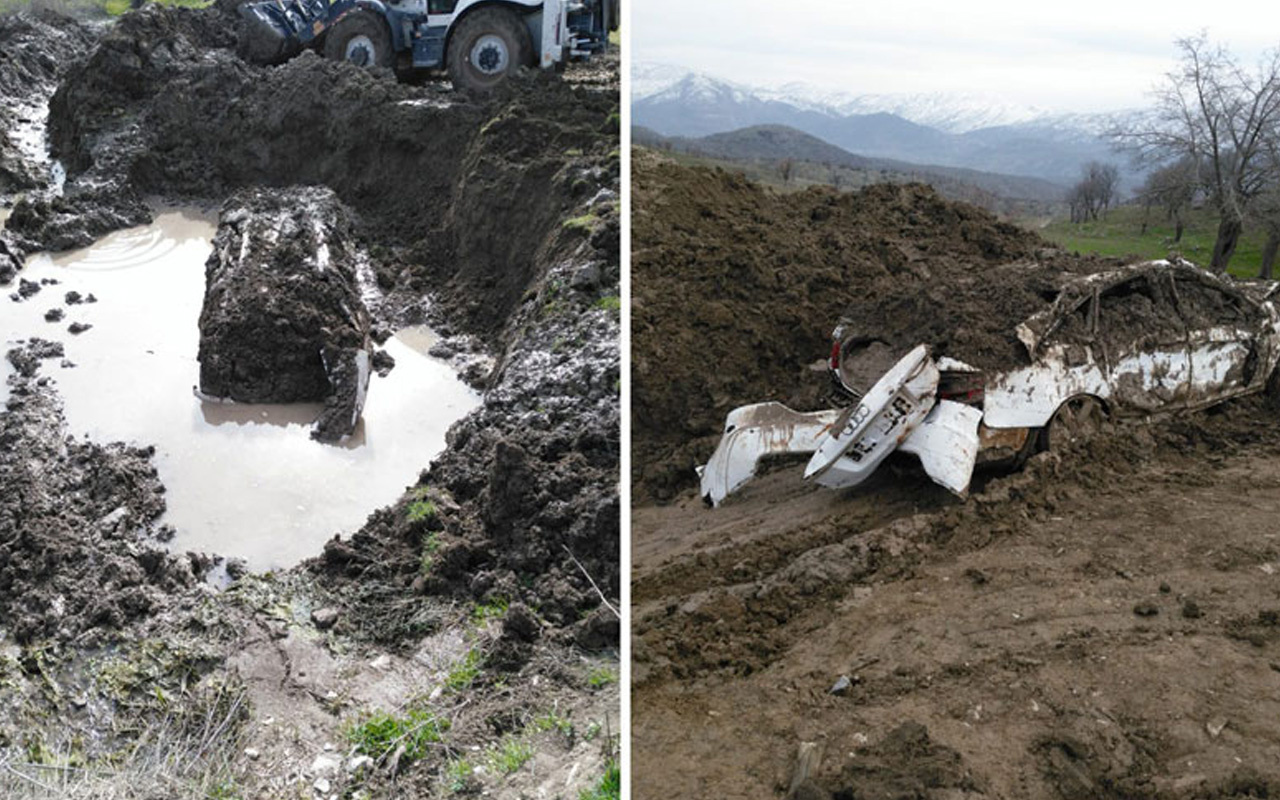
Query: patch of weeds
pixel 510 755
pixel 592 731
pixel 458 774
pixel 601 677
pixel 609 302
pixel 585 223
pixel 609 787
pixel 614 120
pixel 554 721
pixel 421 509
pixel 494 609
pixel 465 672
pixel 430 546
pixel 226 790
pixel 378 734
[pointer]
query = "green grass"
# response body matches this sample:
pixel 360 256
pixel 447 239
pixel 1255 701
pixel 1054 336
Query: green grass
pixel 601 677
pixel 378 734
pixel 465 672
pixel 609 303
pixel 430 546
pixel 1119 233
pixel 117 7
pixel 554 721
pixel 494 609
pixel 585 223
pixel 510 755
pixel 609 787
pixel 421 509
pixel 458 774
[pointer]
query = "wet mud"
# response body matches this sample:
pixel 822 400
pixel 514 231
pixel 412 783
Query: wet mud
pixel 506 242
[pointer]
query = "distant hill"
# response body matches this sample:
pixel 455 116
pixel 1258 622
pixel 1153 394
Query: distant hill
pixel 1050 147
pixel 817 161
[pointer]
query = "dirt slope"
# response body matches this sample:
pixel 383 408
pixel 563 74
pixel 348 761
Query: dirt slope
pixel 737 289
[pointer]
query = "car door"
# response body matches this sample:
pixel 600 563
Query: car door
pixel 1144 339
pixel 1222 332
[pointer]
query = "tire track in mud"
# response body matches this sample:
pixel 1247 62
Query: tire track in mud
pixel 1103 624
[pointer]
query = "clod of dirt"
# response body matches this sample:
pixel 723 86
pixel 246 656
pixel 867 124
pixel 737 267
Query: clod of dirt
pixel 77 328
pixel 54 315
pixel 73 221
pixel 1146 609
pixel 26 360
pixel 283 320
pixel 906 763
pixel 1191 610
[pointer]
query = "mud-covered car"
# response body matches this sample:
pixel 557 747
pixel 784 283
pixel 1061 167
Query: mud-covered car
pixel 1148 339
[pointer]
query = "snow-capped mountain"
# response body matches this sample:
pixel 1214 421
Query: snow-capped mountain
pixel 959 130
pixel 948 112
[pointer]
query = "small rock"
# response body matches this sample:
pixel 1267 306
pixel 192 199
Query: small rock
pixel 1165 588
pixel 841 686
pixel 358 764
pixel 1191 610
pixel 73 298
pixel 27 288
pixel 1146 609
pixel 1215 726
pixel 382 662
pixel 54 315
pixel 90 298
pixel 325 618
pixel 77 328
pixel 321 785
pixel 252 753
pixel 326 764
pixel 382 363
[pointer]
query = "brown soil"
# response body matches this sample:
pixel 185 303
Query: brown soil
pixel 1081 629
pixel 1100 624
pixel 737 290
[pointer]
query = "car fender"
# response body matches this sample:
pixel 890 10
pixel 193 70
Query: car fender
pixel 1028 397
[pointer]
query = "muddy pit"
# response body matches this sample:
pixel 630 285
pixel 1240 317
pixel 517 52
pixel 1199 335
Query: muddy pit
pixel 1098 624
pixel 499 566
pixel 244 481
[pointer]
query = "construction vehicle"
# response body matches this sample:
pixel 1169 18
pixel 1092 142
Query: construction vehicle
pixel 478 42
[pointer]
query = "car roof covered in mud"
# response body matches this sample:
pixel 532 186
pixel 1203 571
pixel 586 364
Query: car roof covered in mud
pixel 995 319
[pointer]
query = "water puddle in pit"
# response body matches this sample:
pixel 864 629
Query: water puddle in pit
pixel 243 481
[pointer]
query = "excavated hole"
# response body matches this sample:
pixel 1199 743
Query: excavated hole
pixel 243 481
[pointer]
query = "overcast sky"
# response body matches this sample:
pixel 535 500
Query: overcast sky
pixel 1079 55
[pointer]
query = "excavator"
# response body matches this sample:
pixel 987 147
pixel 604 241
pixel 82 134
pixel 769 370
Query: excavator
pixel 477 42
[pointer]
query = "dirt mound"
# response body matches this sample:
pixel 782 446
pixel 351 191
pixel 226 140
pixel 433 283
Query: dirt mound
pixel 738 289
pixel 283 320
pixel 76 515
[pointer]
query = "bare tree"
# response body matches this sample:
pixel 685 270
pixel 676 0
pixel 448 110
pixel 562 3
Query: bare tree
pixel 1224 118
pixel 786 169
pixel 1096 191
pixel 1173 187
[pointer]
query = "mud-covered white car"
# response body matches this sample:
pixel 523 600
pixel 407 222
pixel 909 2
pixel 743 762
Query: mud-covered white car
pixel 1148 339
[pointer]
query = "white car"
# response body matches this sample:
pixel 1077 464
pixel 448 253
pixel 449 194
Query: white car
pixel 1143 340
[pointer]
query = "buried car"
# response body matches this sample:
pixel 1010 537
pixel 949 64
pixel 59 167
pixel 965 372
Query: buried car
pixel 1148 339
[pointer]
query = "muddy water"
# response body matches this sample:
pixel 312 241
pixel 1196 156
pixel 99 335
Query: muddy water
pixel 243 481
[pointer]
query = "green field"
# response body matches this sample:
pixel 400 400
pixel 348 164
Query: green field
pixel 1119 233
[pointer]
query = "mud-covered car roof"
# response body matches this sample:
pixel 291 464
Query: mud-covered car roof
pixel 1033 331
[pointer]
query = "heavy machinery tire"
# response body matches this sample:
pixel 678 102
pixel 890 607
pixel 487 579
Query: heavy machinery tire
pixel 361 37
pixel 487 45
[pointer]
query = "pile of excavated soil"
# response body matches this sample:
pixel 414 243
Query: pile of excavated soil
pixel 737 290
pixel 79 538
